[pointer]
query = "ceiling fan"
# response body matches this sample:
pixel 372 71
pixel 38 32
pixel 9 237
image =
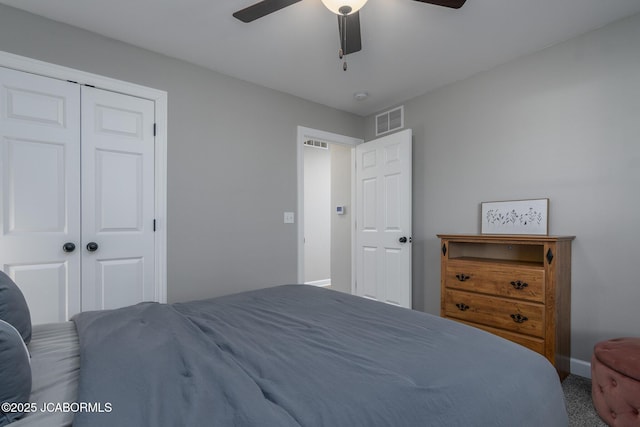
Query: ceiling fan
pixel 348 17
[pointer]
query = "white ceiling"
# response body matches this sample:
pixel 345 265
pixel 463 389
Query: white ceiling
pixel 408 48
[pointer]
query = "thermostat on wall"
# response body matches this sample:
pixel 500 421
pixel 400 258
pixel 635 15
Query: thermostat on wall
pixel 340 210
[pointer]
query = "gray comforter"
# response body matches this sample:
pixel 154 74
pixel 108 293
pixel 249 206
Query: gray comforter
pixel 298 355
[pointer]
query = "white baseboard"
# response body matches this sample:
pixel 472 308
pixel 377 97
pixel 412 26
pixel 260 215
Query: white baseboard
pixel 580 367
pixel 322 283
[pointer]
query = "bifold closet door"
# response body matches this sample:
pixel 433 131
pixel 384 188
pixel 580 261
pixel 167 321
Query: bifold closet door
pixel 117 199
pixel 77 195
pixel 40 191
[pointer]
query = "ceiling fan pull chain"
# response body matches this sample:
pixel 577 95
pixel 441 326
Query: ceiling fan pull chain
pixel 343 48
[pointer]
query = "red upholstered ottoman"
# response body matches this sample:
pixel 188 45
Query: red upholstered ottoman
pixel 615 381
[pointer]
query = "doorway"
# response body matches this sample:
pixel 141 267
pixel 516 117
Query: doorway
pixel 325 208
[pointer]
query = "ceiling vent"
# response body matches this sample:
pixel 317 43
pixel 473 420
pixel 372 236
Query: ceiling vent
pixel 390 120
pixel 316 144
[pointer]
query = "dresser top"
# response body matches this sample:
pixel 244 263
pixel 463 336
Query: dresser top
pixel 504 237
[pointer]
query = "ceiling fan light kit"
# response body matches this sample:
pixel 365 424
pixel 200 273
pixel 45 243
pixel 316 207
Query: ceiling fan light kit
pixel 344 7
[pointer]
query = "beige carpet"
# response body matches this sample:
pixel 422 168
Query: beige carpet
pixel 577 394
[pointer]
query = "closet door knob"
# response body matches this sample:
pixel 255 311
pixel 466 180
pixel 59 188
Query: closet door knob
pixel 69 247
pixel 92 246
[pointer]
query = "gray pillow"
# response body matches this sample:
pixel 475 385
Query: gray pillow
pixel 15 372
pixel 13 307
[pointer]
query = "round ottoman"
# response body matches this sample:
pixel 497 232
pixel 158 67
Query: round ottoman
pixel 615 381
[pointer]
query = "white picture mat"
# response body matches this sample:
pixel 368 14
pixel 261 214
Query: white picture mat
pixel 516 217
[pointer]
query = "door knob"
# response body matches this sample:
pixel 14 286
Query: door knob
pixel 92 246
pixel 69 247
pixel 404 239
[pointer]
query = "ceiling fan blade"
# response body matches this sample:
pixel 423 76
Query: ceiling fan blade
pixel 455 4
pixel 353 40
pixel 261 9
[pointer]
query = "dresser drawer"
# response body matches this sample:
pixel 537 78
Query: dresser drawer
pixel 513 281
pixel 517 316
pixel 532 343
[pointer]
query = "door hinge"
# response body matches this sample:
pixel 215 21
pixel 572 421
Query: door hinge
pixel 154 225
pixel 154 129
pixel 89 85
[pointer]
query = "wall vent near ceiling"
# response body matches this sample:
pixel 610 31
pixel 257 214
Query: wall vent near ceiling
pixel 390 120
pixel 316 144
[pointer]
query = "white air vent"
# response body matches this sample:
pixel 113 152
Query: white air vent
pixel 317 144
pixel 390 120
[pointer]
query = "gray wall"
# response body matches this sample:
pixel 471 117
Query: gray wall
pixel 341 224
pixel 231 156
pixel 563 123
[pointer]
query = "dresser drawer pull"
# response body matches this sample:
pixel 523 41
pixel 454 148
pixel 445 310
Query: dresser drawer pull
pixel 519 284
pixel 519 318
pixel 462 307
pixel 462 277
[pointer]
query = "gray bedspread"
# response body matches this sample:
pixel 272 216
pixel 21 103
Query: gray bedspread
pixel 297 355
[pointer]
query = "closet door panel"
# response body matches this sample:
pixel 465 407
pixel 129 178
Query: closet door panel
pixel 117 199
pixel 44 286
pixel 40 191
pixel 119 192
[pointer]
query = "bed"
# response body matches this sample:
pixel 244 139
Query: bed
pixel 55 366
pixel 291 355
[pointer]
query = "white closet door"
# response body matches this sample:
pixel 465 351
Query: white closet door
pixel 40 191
pixel 117 200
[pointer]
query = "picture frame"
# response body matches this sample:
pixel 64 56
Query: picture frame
pixel 529 216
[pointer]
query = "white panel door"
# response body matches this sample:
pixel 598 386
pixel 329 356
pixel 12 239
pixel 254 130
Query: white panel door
pixel 117 200
pixel 383 225
pixel 40 191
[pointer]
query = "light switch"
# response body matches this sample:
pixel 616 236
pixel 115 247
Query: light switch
pixel 289 218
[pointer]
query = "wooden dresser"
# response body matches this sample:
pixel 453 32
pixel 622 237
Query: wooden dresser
pixel 517 287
